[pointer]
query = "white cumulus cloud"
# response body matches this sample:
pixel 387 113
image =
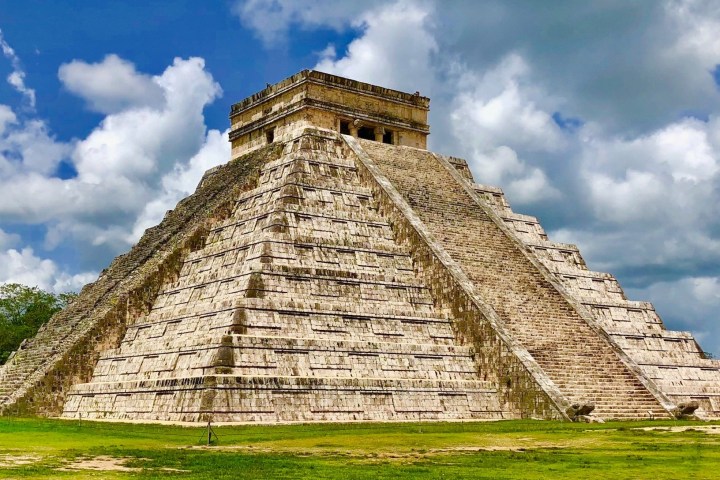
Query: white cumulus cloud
pixel 111 85
pixel 150 145
pixel 271 19
pixel 17 77
pixel 23 266
pixel 394 51
pixel 494 119
pixel 653 198
pixel 182 181
pixel 119 164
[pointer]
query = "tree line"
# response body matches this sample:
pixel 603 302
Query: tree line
pixel 23 310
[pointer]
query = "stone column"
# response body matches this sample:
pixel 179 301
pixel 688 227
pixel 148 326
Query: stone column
pixel 354 127
pixel 379 132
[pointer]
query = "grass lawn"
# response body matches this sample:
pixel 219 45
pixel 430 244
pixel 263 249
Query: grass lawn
pixel 43 448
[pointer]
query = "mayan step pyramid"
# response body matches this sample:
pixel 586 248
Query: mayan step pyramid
pixel 336 270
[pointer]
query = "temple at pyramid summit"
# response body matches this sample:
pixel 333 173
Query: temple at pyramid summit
pixel 336 270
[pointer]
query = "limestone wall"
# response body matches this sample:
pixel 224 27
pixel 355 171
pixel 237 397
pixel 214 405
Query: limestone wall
pixel 301 305
pixel 523 386
pixel 321 100
pixel 672 360
pixel 323 278
pixel 536 311
pixel 65 350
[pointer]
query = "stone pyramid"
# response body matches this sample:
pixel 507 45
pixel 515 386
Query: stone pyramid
pixel 335 270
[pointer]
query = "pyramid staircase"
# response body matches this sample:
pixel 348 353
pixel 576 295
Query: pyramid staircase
pixel 672 360
pixel 320 277
pixel 538 313
pixel 38 376
pixel 333 285
pixel 300 306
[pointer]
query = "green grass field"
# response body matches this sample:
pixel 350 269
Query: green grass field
pixel 41 448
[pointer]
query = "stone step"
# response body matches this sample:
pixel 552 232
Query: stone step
pixel 340 345
pixel 531 308
pixel 326 308
pixel 256 382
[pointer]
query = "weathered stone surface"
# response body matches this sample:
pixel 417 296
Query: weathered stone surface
pixel 672 360
pixel 321 100
pixel 325 278
pixel 533 308
pixel 66 349
pixel 686 410
pixel 300 306
pixel 578 411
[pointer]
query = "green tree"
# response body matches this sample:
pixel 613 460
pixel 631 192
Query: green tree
pixel 23 310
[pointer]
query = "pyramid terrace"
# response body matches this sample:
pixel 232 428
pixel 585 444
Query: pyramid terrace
pixel 335 270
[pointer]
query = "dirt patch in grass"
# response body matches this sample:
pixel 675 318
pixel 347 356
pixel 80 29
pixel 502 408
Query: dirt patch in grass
pixel 106 463
pixel 710 429
pixel 101 463
pixel 413 453
pixel 17 460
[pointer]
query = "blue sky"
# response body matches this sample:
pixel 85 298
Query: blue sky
pixel 601 119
